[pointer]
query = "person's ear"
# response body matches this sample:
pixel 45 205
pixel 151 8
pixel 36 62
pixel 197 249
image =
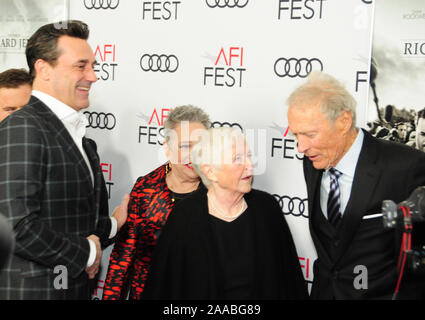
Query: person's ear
pixel 43 69
pixel 345 121
pixel 209 171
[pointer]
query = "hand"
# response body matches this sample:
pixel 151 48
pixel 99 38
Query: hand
pixel 94 268
pixel 121 212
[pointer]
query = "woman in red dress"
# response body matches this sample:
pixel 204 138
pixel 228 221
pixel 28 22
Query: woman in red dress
pixel 151 200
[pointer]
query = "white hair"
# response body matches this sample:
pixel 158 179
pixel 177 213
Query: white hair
pixel 215 147
pixel 331 95
pixel 184 113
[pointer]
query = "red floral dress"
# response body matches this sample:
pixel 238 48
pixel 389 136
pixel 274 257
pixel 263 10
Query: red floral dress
pixel 148 210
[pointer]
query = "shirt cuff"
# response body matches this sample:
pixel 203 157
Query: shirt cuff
pixel 92 255
pixel 114 227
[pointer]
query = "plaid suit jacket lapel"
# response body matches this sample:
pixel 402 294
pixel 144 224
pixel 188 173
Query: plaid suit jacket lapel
pixel 55 125
pixel 90 149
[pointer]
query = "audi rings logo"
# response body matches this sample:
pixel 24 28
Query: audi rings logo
pixel 226 3
pixel 294 67
pixel 100 120
pixel 292 205
pixel 217 124
pixel 162 63
pixel 101 4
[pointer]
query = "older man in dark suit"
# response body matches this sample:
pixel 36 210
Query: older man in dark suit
pixel 51 185
pixel 348 174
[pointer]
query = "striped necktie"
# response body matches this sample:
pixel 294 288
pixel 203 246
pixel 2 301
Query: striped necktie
pixel 334 199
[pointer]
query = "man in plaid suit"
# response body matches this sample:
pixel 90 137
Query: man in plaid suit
pixel 52 189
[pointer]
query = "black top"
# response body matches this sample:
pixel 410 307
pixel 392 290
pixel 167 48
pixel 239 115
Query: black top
pixel 235 255
pixel 177 197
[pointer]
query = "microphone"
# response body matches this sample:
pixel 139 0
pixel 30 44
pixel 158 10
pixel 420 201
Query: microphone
pixel 393 214
pixel 402 216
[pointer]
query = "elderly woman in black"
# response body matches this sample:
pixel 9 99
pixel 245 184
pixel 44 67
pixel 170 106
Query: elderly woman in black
pixel 227 242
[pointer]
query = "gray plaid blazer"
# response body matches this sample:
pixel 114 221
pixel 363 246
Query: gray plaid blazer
pixel 47 195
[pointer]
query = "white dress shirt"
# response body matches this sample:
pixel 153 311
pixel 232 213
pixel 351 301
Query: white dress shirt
pixel 75 122
pixel 347 166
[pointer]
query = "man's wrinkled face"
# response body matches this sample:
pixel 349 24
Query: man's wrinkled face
pixel 320 140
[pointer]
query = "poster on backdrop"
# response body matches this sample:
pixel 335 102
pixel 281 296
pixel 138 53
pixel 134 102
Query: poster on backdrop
pixel 18 21
pixel 396 105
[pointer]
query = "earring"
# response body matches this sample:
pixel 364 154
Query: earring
pixel 167 168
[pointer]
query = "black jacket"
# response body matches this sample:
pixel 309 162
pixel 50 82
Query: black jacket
pixel 185 263
pixel 47 195
pixel 385 171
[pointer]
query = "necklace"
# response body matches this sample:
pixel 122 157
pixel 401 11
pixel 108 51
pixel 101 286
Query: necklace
pixel 223 215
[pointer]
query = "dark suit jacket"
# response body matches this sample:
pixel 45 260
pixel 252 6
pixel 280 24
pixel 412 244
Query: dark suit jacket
pixel 7 241
pixel 47 195
pixel 385 171
pixel 185 263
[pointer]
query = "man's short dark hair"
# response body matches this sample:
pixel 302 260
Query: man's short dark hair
pixel 43 43
pixel 14 78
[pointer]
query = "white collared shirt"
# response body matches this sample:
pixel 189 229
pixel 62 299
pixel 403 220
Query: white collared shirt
pixel 347 166
pixel 75 122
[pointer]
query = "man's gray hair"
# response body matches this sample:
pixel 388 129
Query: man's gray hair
pixel 215 147
pixel 188 113
pixel 328 92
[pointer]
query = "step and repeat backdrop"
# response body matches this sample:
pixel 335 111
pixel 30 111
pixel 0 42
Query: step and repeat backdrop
pixel 238 60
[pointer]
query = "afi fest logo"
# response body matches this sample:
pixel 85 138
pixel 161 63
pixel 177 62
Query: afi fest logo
pixel 228 68
pixel 101 4
pixel 306 267
pixel 160 10
pixel 107 174
pixel 106 61
pixel 300 9
pixel 153 132
pixel 285 146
